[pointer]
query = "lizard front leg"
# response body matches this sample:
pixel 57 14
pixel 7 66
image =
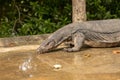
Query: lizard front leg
pixel 78 39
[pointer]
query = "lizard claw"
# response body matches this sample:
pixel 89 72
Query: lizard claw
pixel 68 49
pixel 71 49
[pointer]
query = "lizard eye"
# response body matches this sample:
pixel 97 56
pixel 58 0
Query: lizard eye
pixel 50 45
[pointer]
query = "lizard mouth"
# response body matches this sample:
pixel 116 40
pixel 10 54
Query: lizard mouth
pixel 41 51
pixel 46 46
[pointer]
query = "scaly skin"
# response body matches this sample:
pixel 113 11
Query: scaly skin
pixel 100 33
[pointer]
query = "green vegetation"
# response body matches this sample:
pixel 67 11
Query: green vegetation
pixel 103 9
pixel 30 17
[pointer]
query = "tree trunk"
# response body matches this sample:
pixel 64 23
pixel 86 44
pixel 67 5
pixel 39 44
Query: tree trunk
pixel 78 10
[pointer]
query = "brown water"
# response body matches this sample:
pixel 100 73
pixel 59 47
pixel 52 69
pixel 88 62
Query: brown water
pixel 90 64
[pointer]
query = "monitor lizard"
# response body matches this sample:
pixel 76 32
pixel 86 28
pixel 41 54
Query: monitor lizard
pixel 97 33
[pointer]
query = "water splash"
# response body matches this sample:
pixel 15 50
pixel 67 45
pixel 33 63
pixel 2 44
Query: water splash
pixel 28 67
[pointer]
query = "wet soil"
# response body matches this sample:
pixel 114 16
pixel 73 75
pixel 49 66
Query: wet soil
pixel 87 64
pixel 19 61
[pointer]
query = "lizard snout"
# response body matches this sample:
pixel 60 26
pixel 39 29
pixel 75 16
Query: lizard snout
pixel 41 50
pixel 45 47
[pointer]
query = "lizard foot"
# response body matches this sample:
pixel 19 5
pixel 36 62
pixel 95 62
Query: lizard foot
pixel 71 49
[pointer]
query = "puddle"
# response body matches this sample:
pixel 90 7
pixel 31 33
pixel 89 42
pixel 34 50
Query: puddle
pixel 85 65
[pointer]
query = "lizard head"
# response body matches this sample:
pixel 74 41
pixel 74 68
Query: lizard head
pixel 46 46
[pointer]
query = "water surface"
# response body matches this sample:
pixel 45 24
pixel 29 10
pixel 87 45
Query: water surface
pixel 84 65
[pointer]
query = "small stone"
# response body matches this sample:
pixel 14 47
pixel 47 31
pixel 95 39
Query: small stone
pixel 57 66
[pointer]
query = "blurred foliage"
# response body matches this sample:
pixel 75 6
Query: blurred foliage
pixel 103 9
pixel 30 17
